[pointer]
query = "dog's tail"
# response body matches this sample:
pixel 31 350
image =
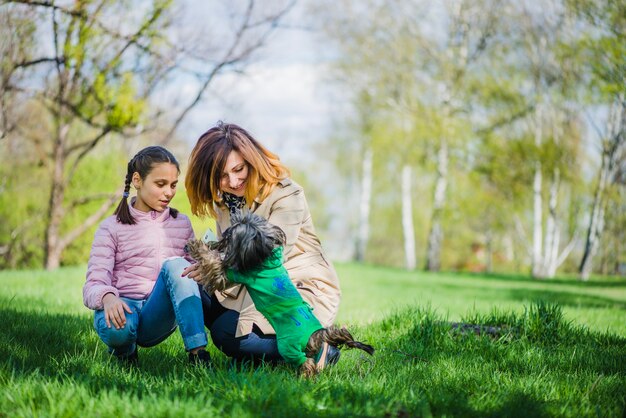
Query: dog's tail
pixel 341 337
pixel 337 337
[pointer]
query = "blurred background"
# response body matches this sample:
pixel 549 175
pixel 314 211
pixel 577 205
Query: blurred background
pixel 483 136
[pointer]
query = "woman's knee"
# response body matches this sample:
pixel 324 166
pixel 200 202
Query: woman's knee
pixel 252 345
pixel 223 333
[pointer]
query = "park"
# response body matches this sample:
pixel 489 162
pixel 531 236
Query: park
pixel 464 165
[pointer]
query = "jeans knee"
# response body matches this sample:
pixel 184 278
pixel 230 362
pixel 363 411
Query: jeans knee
pixel 225 341
pixel 174 266
pixel 113 337
pixel 172 272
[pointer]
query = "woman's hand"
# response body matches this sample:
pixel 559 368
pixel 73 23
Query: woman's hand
pixel 192 272
pixel 114 308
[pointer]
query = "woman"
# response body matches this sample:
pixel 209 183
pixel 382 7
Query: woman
pixel 229 172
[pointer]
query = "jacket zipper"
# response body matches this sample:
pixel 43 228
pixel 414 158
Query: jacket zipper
pixel 157 267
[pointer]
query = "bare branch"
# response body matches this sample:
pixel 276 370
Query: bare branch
pixel 570 246
pixel 50 5
pixel 87 199
pixel 229 58
pixel 89 222
pixel 86 148
pixel 499 123
pixel 25 64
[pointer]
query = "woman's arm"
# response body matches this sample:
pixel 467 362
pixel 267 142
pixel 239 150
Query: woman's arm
pixel 287 213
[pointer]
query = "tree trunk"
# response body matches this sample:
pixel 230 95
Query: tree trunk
pixel 537 261
pixel 364 206
pixel 596 224
pixel 407 219
pixel 611 150
pixel 538 265
pixel 56 210
pixel 552 239
pixel 489 251
pixel 435 236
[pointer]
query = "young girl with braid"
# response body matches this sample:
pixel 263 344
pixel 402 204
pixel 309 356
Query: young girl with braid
pixel 134 280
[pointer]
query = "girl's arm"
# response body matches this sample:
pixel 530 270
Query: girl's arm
pixel 100 269
pixel 189 236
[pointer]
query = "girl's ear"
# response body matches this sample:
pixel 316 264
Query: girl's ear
pixel 136 180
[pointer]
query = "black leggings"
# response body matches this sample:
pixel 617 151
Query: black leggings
pixel 222 323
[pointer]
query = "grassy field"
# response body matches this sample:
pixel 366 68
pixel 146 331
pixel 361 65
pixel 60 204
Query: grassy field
pixel 559 349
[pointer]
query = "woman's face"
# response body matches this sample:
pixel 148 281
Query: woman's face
pixel 235 174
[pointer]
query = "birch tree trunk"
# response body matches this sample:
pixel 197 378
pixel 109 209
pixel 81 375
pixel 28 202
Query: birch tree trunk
pixel 536 253
pixel 364 206
pixel 435 236
pixel 610 152
pixel 407 219
pixel 537 262
pixel 552 237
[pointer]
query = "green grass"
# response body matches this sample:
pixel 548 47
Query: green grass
pixel 561 351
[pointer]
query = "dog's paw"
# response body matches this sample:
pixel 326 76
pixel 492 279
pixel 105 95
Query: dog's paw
pixel 196 248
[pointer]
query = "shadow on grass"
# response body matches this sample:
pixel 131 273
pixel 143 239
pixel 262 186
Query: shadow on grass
pixel 614 282
pixel 52 344
pixel 560 297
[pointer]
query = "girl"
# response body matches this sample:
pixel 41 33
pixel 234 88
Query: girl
pixel 134 278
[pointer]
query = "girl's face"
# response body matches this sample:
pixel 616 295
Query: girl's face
pixel 158 188
pixel 235 174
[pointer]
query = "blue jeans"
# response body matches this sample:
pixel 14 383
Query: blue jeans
pixel 175 300
pixel 222 323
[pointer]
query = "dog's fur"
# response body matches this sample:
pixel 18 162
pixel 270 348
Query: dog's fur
pixel 244 246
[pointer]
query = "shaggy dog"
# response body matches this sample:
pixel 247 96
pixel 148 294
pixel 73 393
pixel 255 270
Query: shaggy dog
pixel 251 253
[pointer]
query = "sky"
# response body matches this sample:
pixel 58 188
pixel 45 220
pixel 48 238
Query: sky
pixel 281 98
pixel 286 101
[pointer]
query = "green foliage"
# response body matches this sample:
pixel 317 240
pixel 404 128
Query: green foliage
pixel 101 174
pixel 21 206
pixel 540 364
pixel 119 97
pixel 602 44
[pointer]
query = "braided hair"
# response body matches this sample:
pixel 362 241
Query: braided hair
pixel 143 162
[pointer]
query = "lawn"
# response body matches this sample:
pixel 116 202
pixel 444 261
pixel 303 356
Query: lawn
pixel 559 349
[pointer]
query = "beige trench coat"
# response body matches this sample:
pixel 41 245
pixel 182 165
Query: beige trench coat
pixel 312 273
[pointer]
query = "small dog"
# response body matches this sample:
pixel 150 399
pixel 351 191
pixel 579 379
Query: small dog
pixel 250 253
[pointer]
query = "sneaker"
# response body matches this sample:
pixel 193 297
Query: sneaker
pixel 327 356
pixel 131 359
pixel 202 357
pixel 333 355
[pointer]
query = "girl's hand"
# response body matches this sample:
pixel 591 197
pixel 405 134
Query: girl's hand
pixel 192 272
pixel 114 308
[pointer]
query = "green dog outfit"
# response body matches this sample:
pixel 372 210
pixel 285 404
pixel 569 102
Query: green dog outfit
pixel 276 297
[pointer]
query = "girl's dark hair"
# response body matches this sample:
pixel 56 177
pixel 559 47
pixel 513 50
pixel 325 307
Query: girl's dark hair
pixel 143 162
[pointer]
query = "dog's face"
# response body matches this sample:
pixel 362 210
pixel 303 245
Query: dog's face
pixel 249 241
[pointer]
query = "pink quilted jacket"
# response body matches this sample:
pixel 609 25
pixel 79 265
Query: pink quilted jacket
pixel 126 259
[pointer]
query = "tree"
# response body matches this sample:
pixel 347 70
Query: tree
pixel 411 72
pixel 547 84
pixel 93 72
pixel 602 48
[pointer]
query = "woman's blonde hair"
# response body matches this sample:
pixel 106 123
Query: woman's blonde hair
pixel 207 161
